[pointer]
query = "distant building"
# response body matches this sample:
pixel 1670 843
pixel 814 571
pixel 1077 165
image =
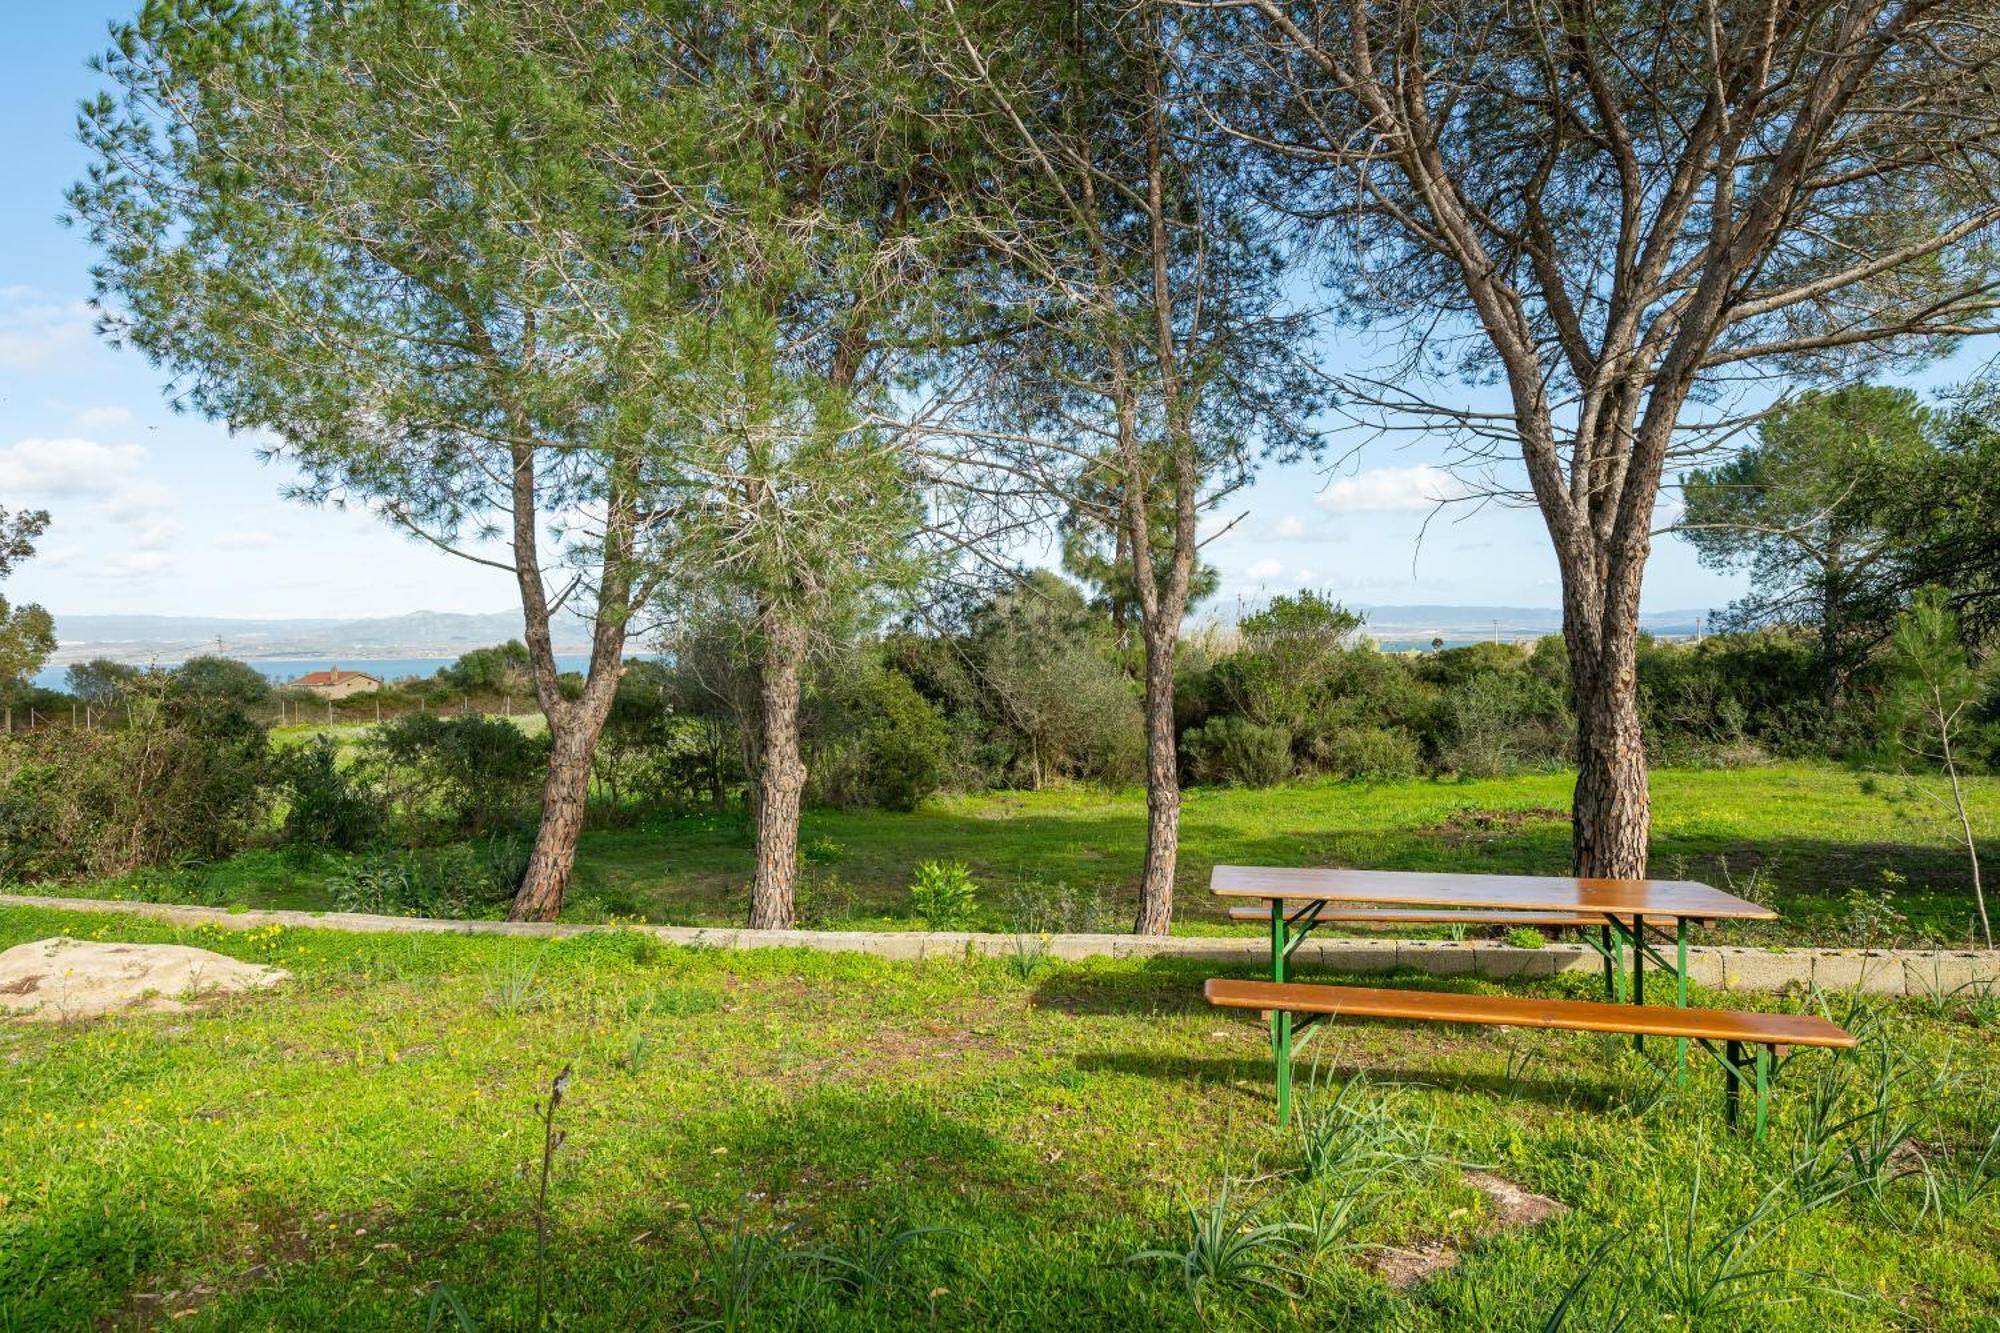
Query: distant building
pixel 338 684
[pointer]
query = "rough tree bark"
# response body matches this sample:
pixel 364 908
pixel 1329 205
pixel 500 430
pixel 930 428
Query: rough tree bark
pixel 1163 785
pixel 1611 811
pixel 574 725
pixel 781 771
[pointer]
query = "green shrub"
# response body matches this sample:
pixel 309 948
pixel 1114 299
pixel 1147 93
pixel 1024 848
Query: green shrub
pixel 1235 750
pixel 1501 722
pixel 904 744
pixel 178 782
pixel 470 774
pixel 328 807
pixel 821 851
pixel 943 895
pixel 1372 754
pixel 463 880
pixel 824 899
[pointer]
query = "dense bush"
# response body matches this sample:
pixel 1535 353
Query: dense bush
pixel 1373 754
pixel 183 780
pixel 903 744
pixel 328 807
pixel 1503 721
pixel 465 774
pixel 462 880
pixel 1231 749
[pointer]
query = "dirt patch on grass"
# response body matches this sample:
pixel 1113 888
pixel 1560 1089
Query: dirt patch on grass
pixel 1509 1208
pixel 1472 825
pixel 1513 1207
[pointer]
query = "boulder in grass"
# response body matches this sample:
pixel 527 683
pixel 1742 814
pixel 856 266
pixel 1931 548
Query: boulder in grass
pixel 62 980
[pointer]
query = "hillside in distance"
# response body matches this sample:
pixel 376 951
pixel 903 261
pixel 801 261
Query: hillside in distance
pixel 146 638
pixel 142 638
pixel 1416 626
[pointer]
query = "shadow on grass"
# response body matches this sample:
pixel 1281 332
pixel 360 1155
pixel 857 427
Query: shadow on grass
pixel 1010 1237
pixel 1218 1071
pixel 1165 986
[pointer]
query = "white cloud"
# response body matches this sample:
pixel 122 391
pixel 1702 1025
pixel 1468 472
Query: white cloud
pixel 67 469
pixel 136 565
pixel 103 420
pixel 243 541
pixel 126 521
pixel 1290 526
pixel 1303 577
pixel 1266 569
pixel 36 328
pixel 1386 488
pixel 141 501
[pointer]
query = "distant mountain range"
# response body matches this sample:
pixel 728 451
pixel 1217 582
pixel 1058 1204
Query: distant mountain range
pixel 446 634
pixel 419 634
pixel 1416 626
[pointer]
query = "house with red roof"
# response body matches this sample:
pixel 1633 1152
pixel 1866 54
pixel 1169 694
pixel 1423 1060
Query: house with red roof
pixel 337 684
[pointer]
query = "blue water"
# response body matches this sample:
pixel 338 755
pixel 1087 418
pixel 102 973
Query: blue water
pixel 282 669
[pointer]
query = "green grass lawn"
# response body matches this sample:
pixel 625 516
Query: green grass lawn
pixel 1799 836
pixel 323 1156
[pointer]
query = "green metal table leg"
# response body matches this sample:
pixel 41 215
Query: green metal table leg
pixel 1281 1019
pixel 1610 966
pixel 1763 1089
pixel 1681 986
pixel 1732 1059
pixel 1638 973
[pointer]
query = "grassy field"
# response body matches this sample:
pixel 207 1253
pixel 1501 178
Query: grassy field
pixel 1800 836
pixel 789 1140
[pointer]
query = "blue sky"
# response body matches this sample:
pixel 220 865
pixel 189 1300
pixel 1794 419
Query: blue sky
pixel 155 512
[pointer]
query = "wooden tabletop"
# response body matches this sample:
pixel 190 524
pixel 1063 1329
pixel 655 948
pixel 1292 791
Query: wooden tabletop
pixel 1532 893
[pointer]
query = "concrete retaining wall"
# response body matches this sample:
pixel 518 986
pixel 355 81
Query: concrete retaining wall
pixel 1881 971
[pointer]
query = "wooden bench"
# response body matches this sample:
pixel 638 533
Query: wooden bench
pixel 1734 1029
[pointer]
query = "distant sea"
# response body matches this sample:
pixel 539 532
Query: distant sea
pixel 282 669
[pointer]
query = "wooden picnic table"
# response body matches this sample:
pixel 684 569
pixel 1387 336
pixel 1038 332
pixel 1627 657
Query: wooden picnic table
pixel 1623 908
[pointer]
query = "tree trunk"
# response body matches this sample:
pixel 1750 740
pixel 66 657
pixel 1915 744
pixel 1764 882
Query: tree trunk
pixel 564 794
pixel 1163 785
pixel 1611 817
pixel 1829 637
pixel 781 775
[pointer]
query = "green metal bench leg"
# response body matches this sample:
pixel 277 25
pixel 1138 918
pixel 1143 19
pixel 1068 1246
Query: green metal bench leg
pixel 1281 1019
pixel 1732 1059
pixel 1638 973
pixel 1681 986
